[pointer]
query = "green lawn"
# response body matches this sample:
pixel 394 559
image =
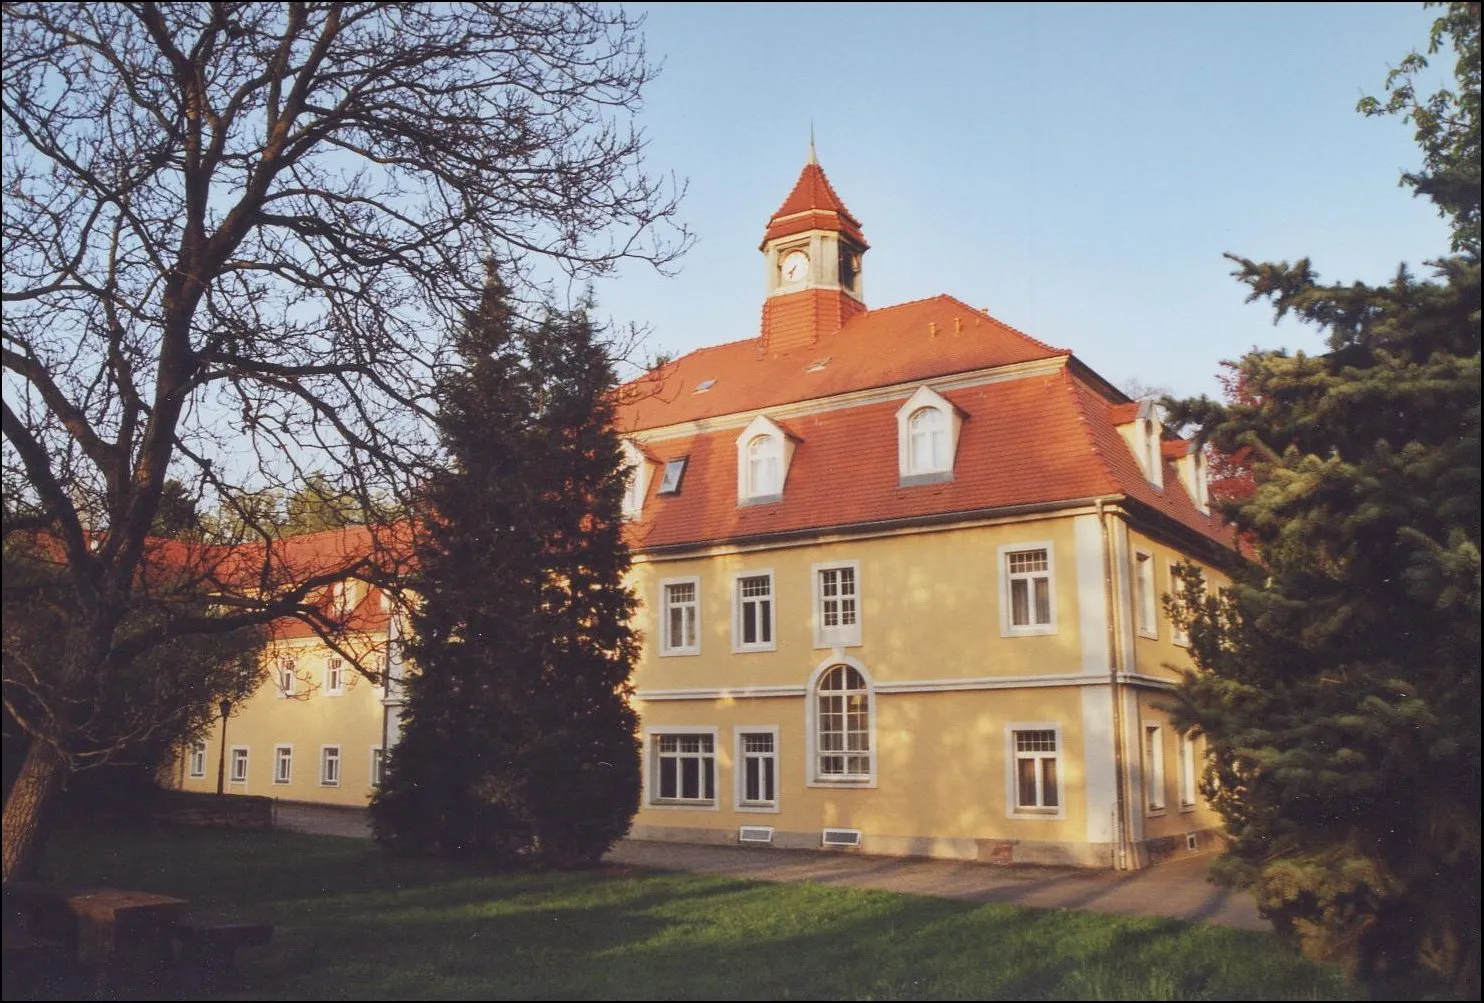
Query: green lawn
pixel 354 923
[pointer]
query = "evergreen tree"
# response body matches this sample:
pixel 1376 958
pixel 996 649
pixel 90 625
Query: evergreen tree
pixel 519 743
pixel 1338 679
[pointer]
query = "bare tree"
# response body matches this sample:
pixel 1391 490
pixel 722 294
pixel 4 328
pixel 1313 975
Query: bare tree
pixel 232 233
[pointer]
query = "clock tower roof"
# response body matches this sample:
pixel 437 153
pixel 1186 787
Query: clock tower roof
pixel 813 205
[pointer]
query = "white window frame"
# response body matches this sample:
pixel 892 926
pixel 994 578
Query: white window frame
pixel 739 604
pixel 813 775
pixel 377 772
pixel 739 769
pixel 334 676
pixel 328 755
pixel 1189 794
pixel 652 768
pixel 235 775
pixel 1152 758
pixel 283 764
pixel 1013 755
pixel 951 419
pixel 1007 626
pixel 666 649
pixel 285 676
pixel 673 476
pixel 1178 635
pixel 196 766
pixel 343 598
pixel 841 635
pixel 765 435
pixel 1146 594
pixel 636 483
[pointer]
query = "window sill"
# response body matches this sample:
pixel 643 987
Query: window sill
pixel 1159 812
pixel 844 782
pixel 1037 814
pixel 1149 634
pixel 673 804
pixel 760 500
pixel 837 642
pixel 1187 808
pixel 680 653
pixel 747 649
pixel 1039 631
pixel 926 477
pixel 759 808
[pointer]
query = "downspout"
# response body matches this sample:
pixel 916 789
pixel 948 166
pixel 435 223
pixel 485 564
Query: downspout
pixel 1121 823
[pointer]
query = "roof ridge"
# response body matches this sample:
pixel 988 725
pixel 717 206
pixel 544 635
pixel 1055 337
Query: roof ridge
pixel 1085 424
pixel 1009 327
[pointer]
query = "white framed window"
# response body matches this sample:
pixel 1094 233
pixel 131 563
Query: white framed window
pixel 680 616
pixel 1146 599
pixel 1187 772
pixel 329 766
pixel 1178 634
pixel 636 484
pixel 837 605
pixel 342 598
pixel 928 426
pixel 197 761
pixel 378 765
pixel 674 474
pixel 1154 768
pixel 1028 589
pixel 283 764
pixel 756 773
pixel 683 767
pixel 844 722
pixel 764 451
pixel 238 773
pixel 1034 762
pixel 752 612
pixel 334 676
pixel 285 676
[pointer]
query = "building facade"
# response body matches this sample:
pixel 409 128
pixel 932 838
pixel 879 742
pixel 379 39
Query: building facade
pixel 901 575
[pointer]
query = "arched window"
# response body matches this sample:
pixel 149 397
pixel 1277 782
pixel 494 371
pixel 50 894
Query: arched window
pixel 764 466
pixel 842 725
pixel 927 441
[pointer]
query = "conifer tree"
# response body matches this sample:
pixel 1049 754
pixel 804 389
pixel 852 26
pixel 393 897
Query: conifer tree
pixel 1338 678
pixel 519 743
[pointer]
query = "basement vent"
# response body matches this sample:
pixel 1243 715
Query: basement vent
pixel 755 834
pixel 1191 842
pixel 842 837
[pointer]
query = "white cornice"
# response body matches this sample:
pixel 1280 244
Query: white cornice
pixel 914 686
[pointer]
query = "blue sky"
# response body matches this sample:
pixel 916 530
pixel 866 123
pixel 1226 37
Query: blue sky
pixel 1076 169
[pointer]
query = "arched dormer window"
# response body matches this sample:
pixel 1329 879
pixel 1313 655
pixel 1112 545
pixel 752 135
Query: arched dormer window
pixel 764 451
pixel 927 438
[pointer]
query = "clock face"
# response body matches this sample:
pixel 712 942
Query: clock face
pixel 795 266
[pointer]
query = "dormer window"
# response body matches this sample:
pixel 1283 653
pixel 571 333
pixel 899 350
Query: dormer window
pixel 927 438
pixel 764 451
pixel 637 487
pixel 1192 468
pixel 674 473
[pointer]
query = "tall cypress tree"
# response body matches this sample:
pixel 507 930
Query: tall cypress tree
pixel 519 743
pixel 1338 679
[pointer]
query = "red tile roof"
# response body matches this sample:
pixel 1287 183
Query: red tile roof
pixel 813 205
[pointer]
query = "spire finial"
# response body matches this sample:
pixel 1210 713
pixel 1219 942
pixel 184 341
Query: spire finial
pixel 812 158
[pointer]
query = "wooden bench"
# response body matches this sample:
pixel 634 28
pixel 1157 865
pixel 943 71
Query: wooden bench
pixel 212 943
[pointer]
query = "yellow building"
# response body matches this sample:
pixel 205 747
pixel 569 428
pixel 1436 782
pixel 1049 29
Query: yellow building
pixel 900 574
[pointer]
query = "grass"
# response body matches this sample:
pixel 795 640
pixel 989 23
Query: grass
pixel 355 923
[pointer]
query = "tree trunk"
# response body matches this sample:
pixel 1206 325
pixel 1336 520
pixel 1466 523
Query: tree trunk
pixel 28 809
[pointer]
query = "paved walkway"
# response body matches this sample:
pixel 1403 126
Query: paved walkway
pixel 1177 889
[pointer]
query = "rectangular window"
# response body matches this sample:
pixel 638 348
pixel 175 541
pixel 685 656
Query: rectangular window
pixel 753 628
pixel 685 768
pixel 1178 633
pixel 1146 603
pixel 283 764
pixel 1187 772
pixel 286 676
pixel 1154 768
pixel 757 769
pixel 329 766
pixel 837 605
pixel 378 765
pixel 680 616
pixel 198 759
pixel 334 676
pixel 1028 585
pixel 1037 774
pixel 239 764
pixel 342 599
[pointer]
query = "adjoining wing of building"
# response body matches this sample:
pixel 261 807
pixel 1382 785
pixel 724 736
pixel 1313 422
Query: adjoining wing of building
pixel 901 574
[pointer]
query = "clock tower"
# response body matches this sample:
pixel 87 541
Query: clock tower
pixel 813 248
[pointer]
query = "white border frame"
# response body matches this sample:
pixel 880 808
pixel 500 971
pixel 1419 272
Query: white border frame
pixel 335 691
pixel 835 637
pixel 648 799
pixel 201 748
pixel 663 626
pixel 1185 755
pixel 232 751
pixel 926 398
pixel 811 724
pixel 740 647
pixel 1012 805
pixel 339 780
pixel 739 774
pixel 371 781
pixel 283 747
pixel 1152 597
pixel 1152 776
pixel 1002 564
